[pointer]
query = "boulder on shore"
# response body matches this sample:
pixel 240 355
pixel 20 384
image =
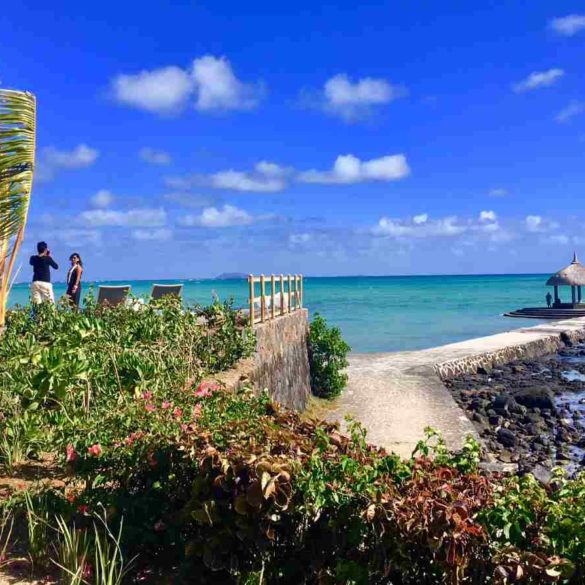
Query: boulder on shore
pixel 535 398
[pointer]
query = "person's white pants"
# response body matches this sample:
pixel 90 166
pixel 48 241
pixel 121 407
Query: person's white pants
pixel 41 292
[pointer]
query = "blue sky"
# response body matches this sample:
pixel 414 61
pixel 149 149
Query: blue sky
pixel 388 138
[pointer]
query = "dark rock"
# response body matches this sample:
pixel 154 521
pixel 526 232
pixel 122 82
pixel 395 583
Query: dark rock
pixel 484 370
pixel 541 474
pixel 480 419
pixel 507 437
pixel 496 420
pixel 535 397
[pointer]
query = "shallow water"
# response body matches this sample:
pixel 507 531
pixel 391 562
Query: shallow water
pixel 390 313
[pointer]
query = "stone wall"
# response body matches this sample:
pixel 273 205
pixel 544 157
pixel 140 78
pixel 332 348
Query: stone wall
pixel 281 362
pixel 488 360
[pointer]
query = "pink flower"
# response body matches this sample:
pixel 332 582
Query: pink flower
pixel 70 498
pixel 159 526
pixel 149 407
pixel 147 395
pixel 87 572
pixel 177 412
pixel 71 453
pixel 95 450
pixel 206 389
pixel 166 404
pixel 82 509
pixel 197 410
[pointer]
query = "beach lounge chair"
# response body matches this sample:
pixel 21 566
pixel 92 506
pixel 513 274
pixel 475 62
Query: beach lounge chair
pixel 162 290
pixel 112 295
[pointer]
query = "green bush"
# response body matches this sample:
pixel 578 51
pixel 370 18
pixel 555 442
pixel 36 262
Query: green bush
pixel 327 358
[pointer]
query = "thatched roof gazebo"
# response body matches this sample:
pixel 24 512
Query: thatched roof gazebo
pixel 574 276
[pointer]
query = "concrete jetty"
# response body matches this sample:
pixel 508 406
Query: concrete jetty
pixel 396 395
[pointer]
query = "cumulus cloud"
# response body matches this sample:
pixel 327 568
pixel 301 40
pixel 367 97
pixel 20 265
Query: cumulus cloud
pixel 133 218
pixel 350 169
pixel 421 218
pixel 154 235
pixel 575 108
pixel 534 223
pixel 441 227
pixel 538 79
pixel 103 198
pixel 568 25
pixel 210 84
pixel 214 217
pixel 266 177
pixel 155 157
pixel 352 100
pixel 488 216
pixel 218 88
pixel 299 239
pixel 51 160
pixel 161 90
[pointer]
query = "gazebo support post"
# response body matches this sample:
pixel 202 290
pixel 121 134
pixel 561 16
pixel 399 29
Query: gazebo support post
pixel 573 295
pixel 579 296
pixel 556 294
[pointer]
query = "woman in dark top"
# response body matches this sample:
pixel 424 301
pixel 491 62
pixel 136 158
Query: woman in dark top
pixel 74 279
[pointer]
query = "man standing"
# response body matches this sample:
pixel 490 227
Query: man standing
pixel 41 288
pixel 548 299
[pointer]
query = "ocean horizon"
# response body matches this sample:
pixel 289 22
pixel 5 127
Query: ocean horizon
pixel 380 313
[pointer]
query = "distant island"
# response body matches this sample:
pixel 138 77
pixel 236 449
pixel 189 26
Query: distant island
pixel 231 276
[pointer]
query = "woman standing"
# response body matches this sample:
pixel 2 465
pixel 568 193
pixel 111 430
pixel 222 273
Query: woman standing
pixel 74 279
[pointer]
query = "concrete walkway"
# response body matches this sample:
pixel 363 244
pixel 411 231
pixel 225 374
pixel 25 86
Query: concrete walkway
pixel 397 395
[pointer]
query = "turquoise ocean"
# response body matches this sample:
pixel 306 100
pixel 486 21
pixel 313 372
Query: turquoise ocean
pixel 385 313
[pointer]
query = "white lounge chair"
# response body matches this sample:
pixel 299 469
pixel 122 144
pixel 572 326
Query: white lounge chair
pixel 112 295
pixel 162 290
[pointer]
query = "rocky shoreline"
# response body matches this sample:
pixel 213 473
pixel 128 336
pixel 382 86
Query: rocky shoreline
pixel 530 414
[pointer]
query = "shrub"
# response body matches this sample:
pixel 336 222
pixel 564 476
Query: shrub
pixel 327 358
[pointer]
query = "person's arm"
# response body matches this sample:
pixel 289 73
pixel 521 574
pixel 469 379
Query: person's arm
pixel 53 263
pixel 32 261
pixel 78 280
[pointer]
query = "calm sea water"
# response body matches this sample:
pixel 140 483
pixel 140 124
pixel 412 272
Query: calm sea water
pixel 389 313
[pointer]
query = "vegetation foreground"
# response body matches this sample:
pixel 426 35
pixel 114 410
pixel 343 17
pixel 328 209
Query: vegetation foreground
pixel 122 461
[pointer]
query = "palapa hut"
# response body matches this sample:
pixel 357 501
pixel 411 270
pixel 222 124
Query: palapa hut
pixel 574 276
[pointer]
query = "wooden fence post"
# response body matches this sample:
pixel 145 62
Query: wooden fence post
pixel 262 298
pixel 281 295
pixel 302 290
pixel 251 281
pixel 289 294
pixel 272 291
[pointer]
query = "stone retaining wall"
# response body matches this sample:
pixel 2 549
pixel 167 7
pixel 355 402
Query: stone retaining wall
pixel 281 362
pixel 488 360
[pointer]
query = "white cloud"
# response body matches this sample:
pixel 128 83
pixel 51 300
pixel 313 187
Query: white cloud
pixel 219 89
pixel 568 25
pixel 213 217
pixel 538 79
pixel 442 227
pixel 488 216
pixel 161 90
pixel 267 177
pixel 351 100
pixel 210 82
pixel 132 218
pixel 559 239
pixel 575 108
pixel 299 239
pixel 103 198
pixel 533 223
pixel 421 218
pixel 52 160
pixel 155 235
pixel 155 157
pixel 350 169
pixel 498 192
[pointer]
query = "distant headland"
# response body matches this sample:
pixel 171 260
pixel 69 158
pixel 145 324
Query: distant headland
pixel 231 276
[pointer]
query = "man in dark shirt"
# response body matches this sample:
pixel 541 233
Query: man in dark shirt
pixel 41 288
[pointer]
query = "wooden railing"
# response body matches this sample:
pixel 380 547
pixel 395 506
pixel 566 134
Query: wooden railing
pixel 279 294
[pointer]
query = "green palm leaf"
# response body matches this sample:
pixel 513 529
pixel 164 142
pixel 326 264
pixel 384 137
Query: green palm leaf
pixel 17 161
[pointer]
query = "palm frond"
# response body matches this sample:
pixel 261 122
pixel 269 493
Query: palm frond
pixel 17 163
pixel 17 159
